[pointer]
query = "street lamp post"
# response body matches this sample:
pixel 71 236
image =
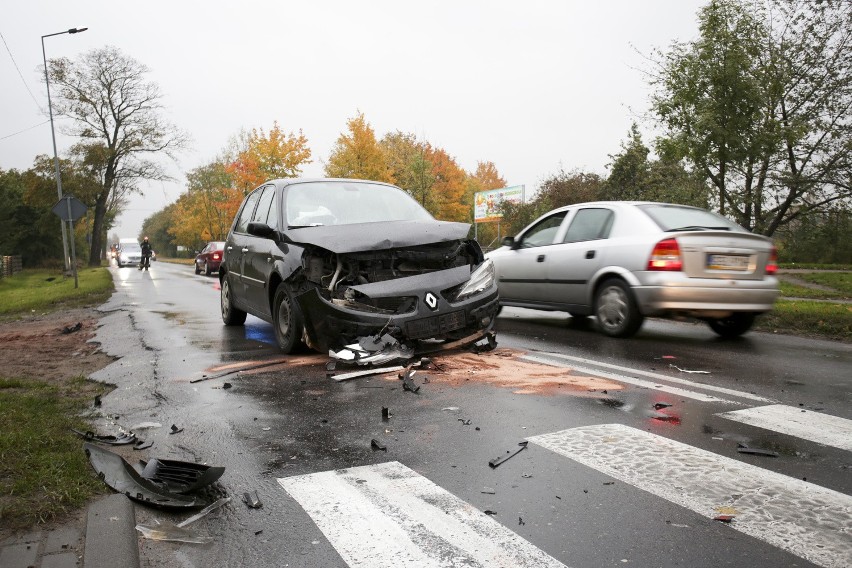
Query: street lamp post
pixel 53 135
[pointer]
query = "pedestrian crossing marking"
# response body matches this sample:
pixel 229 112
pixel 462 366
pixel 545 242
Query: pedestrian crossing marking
pixel 804 519
pixel 387 515
pixel 814 426
pixel 677 391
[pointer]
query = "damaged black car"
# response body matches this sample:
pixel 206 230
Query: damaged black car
pixel 329 261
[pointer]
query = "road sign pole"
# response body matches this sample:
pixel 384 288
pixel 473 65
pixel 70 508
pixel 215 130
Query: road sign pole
pixel 71 235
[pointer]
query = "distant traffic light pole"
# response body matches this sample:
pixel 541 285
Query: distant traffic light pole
pixel 53 135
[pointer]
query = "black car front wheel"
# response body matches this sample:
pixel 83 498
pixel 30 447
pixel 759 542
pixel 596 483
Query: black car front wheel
pixel 287 319
pixel 616 310
pixel 197 270
pixel 732 326
pixel 207 270
pixel 231 315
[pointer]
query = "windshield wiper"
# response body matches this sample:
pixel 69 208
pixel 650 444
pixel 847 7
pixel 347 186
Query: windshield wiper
pixel 698 228
pixel 306 226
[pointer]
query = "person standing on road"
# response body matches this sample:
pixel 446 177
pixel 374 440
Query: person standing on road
pixel 146 254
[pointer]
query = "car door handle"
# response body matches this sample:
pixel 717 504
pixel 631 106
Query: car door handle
pixel 590 254
pixel 540 258
pixel 230 248
pixel 245 249
pixel 268 259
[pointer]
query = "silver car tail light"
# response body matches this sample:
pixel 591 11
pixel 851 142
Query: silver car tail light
pixel 666 256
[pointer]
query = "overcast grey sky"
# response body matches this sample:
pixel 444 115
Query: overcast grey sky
pixel 531 86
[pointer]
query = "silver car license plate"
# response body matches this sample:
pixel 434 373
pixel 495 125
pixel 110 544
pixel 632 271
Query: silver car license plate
pixel 727 262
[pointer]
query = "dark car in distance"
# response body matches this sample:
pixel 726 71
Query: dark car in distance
pixel 210 257
pixel 329 261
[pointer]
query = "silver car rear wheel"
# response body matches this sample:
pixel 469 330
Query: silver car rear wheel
pixel 616 309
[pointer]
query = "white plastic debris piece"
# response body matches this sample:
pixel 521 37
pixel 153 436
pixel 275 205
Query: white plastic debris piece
pixel 146 426
pixel 450 408
pixel 688 371
pixel 355 374
pixel 205 511
pixel 168 531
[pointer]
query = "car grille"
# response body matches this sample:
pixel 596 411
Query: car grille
pixel 435 326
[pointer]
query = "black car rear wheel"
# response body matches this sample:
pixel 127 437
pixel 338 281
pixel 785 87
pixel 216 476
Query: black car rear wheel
pixel 287 319
pixel 732 326
pixel 207 270
pixel 616 310
pixel 197 270
pixel 231 315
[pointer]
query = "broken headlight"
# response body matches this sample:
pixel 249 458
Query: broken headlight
pixel 481 279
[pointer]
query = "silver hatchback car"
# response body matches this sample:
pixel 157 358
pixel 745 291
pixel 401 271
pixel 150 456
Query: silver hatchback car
pixel 622 261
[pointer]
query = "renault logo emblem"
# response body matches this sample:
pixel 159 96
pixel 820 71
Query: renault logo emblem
pixel 431 300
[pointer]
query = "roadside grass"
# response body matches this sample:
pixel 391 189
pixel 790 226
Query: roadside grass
pixel 789 290
pixel 47 289
pixel 43 471
pixel 187 261
pixel 825 320
pixel 840 281
pixel 813 266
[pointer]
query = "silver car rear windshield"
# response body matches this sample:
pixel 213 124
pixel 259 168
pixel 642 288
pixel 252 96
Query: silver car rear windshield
pixel 673 218
pixel 346 203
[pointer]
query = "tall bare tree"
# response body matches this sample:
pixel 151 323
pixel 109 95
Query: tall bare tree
pixel 761 105
pixel 116 112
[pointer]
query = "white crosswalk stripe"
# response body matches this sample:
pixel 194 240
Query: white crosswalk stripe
pixel 814 426
pixel 802 518
pixel 389 515
pixel 591 367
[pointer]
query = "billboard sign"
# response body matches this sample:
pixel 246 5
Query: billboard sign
pixel 486 204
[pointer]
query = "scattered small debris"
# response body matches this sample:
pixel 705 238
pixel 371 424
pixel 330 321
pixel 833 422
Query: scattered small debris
pixel 488 491
pixel 724 518
pixel 145 426
pixel 487 343
pixel 175 429
pixel 489 512
pixel 122 439
pixel 477 428
pixel 258 532
pixel 386 414
pixel 464 422
pixel 744 449
pixel 688 371
pixel 72 328
pixel 239 370
pixel 660 405
pixel 376 445
pixel 526 475
pixel 407 383
pixel 251 499
pixel 521 521
pixel 364 373
pixel 97 400
pixel 609 482
pixel 143 445
pixel 227 385
pixel 499 460
pixel 450 408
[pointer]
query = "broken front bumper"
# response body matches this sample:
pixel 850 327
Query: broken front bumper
pixel 433 316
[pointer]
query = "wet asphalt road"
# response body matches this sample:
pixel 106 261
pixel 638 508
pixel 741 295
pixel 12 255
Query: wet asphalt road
pixel 165 327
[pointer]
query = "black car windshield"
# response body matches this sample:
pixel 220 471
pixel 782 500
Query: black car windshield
pixel 348 202
pixel 680 218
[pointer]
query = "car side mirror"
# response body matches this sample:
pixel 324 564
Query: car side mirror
pixel 261 230
pixel 510 242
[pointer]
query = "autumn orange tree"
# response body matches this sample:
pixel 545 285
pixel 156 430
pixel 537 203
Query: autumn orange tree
pixel 215 191
pixel 358 155
pixel 268 156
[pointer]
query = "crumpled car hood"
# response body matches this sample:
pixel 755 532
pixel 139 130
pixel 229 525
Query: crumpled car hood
pixel 343 239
